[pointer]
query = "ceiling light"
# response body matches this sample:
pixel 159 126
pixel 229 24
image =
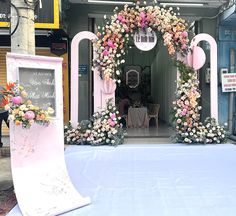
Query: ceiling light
pixel 182 4
pixel 111 2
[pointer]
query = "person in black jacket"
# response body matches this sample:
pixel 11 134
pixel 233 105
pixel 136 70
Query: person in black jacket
pixel 3 115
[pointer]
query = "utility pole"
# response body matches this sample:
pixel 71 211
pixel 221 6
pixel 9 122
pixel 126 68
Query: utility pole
pixel 22 26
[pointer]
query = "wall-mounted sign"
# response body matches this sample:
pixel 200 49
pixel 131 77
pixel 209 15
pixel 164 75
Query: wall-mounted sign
pixel 83 69
pixel 145 40
pixel 227 33
pixel 45 17
pixel 228 82
pixel 59 48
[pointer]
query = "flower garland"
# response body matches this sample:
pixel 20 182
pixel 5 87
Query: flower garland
pixel 102 128
pixel 21 110
pixel 112 38
pixel 186 114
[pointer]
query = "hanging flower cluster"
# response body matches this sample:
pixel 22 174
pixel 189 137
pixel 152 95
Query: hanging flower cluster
pixel 112 38
pixel 102 128
pixel 21 110
pixel 188 126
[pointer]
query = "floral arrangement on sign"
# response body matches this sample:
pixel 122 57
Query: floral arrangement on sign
pixel 188 126
pixel 102 128
pixel 112 38
pixel 21 110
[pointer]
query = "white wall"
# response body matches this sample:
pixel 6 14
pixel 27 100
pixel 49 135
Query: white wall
pixel 164 76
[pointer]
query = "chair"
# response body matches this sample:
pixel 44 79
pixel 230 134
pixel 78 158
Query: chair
pixel 153 111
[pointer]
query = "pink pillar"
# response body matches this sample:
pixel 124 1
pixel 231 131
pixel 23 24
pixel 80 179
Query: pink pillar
pixel 213 65
pixel 103 90
pixel 75 72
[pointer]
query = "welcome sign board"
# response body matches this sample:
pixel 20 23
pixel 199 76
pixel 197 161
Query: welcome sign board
pixel 40 85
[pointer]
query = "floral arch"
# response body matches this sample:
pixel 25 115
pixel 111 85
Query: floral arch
pixel 110 47
pixel 109 50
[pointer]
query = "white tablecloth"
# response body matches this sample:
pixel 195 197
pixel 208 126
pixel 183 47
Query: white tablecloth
pixel 137 117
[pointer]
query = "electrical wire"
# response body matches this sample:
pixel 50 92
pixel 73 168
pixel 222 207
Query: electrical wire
pixel 17 21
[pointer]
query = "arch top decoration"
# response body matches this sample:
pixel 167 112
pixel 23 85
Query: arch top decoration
pixel 114 35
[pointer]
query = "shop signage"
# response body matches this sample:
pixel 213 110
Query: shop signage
pixel 227 33
pixel 228 82
pixel 59 48
pixel 145 40
pixel 40 86
pixel 45 17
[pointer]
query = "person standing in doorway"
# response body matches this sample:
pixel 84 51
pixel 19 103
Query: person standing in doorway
pixel 3 114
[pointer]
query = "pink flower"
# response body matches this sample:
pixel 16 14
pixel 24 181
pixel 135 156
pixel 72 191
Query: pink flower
pixel 143 25
pixel 111 123
pixel 142 15
pixel 29 115
pixel 184 34
pixel 110 44
pixel 119 17
pixel 184 112
pixel 113 116
pixel 17 100
pixel 105 52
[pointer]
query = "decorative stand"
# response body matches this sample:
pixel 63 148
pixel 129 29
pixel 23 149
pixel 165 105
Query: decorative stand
pixel 40 178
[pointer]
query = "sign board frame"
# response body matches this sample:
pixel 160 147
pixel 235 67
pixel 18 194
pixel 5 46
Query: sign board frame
pixel 228 82
pixel 44 25
pixel 17 61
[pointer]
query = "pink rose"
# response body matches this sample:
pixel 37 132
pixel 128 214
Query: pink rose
pixel 143 25
pixel 105 52
pixel 29 115
pixel 184 34
pixel 142 15
pixel 110 44
pixel 119 17
pixel 17 100
pixel 111 123
pixel 113 116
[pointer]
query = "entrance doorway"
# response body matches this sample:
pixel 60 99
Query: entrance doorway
pixel 146 92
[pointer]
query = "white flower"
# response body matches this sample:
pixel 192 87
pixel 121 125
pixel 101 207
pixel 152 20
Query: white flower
pixel 12 117
pixel 118 72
